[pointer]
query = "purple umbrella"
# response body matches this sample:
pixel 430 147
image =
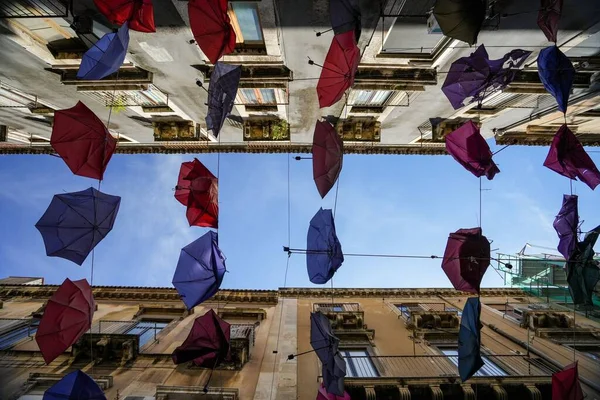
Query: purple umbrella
pixel 466 258
pixel 325 344
pixel 224 82
pixel 566 224
pixel 323 249
pixel 470 149
pixel 476 76
pixel 327 156
pixel 200 270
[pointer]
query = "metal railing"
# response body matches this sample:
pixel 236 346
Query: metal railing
pixel 407 309
pixel 13 330
pixel 146 331
pixel 336 307
pixel 34 8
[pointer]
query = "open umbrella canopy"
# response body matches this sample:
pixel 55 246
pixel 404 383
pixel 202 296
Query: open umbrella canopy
pixel 139 13
pixel 323 395
pixel 339 68
pixel 106 56
pixel 198 189
pixel 75 223
pixel 474 77
pixel 345 16
pixel 325 344
pixel 557 74
pixel 224 82
pixel 327 156
pixel 583 272
pixel 323 249
pixel 75 386
pixel 469 340
pixel 568 158
pixel 200 270
pixel 566 224
pixel 207 344
pixel 548 18
pixel 211 27
pixel 470 149
pixel 68 315
pixel 460 19
pixel 466 259
pixel 82 141
pixel 565 384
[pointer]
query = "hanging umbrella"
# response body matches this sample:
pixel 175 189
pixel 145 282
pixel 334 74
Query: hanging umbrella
pixel 323 249
pixel 476 76
pixel 566 224
pixel 337 74
pixel 200 270
pixel 106 56
pixel 466 259
pixel 345 16
pixel 82 141
pixel 224 82
pixel 75 223
pixel 557 74
pixel 548 18
pixel 568 158
pixel 460 19
pixel 327 157
pixel 198 189
pixel 323 395
pixel 139 13
pixel 470 149
pixel 207 344
pixel 325 344
pixel 583 272
pixel 469 340
pixel 565 384
pixel 211 27
pixel 68 315
pixel 75 386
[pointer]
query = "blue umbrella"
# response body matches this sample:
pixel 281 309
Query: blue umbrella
pixel 223 87
pixel 200 270
pixel 469 340
pixel 557 74
pixel 75 386
pixel 106 56
pixel 75 223
pixel 323 249
pixel 325 344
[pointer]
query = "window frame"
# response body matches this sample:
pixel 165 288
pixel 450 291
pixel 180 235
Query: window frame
pixel 238 28
pixel 351 364
pixel 484 355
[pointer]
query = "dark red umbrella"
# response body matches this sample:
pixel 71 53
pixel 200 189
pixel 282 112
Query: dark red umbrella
pixel 211 27
pixel 82 140
pixel 548 18
pixel 327 156
pixel 198 189
pixel 339 69
pixel 67 316
pixel 470 149
pixel 139 13
pixel 565 384
pixel 207 344
pixel 466 259
pixel 568 158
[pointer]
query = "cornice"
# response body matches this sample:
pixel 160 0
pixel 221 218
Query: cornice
pixel 391 292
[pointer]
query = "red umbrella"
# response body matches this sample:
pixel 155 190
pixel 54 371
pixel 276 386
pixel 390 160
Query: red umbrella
pixel 548 18
pixel 466 259
pixel 323 395
pixel 328 153
pixel 82 140
pixel 565 384
pixel 198 190
pixel 67 316
pixel 139 13
pixel 470 149
pixel 339 69
pixel 207 344
pixel 211 27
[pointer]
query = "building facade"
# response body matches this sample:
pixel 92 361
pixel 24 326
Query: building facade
pixel 397 343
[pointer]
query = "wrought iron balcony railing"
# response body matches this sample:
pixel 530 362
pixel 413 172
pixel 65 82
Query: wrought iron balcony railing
pixel 336 307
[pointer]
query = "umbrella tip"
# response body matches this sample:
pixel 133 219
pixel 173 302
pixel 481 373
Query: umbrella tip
pixel 205 389
pixel 509 266
pixel 290 357
pixel 285 248
pixel 311 62
pixel 298 158
pixel 318 34
pixel 198 83
pixel 191 41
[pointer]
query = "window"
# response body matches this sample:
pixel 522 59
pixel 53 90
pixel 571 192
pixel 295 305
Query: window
pixel 488 369
pixel 146 330
pixel 257 96
pixel 590 351
pixel 458 312
pixel 369 98
pixel 337 308
pixel 246 22
pixel 20 331
pixel 359 364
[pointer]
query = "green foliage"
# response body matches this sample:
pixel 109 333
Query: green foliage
pixel 280 130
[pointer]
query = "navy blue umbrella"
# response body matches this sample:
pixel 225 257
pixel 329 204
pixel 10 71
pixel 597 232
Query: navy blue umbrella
pixel 345 16
pixel 557 74
pixel 200 270
pixel 224 82
pixel 75 386
pixel 323 249
pixel 325 344
pixel 75 223
pixel 583 272
pixel 106 56
pixel 469 340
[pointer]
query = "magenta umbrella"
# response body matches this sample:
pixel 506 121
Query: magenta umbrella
pixel 470 149
pixel 466 259
pixel 328 154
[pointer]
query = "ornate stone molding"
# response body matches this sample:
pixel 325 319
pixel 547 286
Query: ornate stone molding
pixel 389 293
pixel 404 393
pixel 534 392
pixel 370 393
pixel 499 392
pixel 468 392
pixel 436 392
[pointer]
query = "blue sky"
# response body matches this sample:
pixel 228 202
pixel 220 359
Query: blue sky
pixel 386 204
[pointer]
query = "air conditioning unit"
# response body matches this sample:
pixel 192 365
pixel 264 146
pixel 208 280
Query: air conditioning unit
pixel 432 26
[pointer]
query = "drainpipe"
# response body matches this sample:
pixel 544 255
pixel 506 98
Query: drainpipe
pixel 538 353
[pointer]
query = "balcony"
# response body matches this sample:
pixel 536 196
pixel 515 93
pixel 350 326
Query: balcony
pixel 359 129
pixel 347 321
pixel 195 393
